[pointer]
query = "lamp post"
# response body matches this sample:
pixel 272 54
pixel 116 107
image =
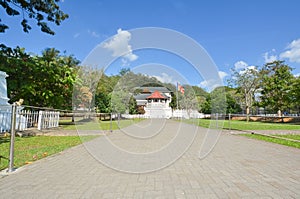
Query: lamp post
pixel 12 138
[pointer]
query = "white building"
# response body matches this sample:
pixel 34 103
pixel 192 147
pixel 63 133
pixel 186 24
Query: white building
pixel 155 101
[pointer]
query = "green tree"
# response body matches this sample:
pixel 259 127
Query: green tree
pixel 102 102
pixel 201 96
pixel 44 81
pixel 217 98
pixel 276 86
pixel 296 94
pixel 231 100
pixel 132 105
pixel 247 82
pixel 105 87
pixel 42 11
pixel 173 103
pixel 120 101
pixel 205 107
pixel 188 100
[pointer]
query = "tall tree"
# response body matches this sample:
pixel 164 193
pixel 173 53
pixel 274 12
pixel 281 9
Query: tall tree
pixel 296 94
pixel 217 98
pixel 247 82
pixel 44 81
pixel 42 11
pixel 132 106
pixel 277 81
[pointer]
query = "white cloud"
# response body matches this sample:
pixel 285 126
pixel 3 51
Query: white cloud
pixel 120 47
pixel 293 51
pixel 247 70
pixel 240 65
pixel 270 57
pixel 297 75
pixel 222 75
pixel 165 78
pixel 210 84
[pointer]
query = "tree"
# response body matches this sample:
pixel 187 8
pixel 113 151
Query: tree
pixel 102 102
pixel 276 86
pixel 217 98
pixel 247 83
pixel 120 101
pixel 123 71
pixel 201 96
pixel 231 100
pixel 132 105
pixel 188 100
pixel 173 103
pixel 86 84
pixel 296 94
pixel 42 11
pixel 44 81
pixel 205 107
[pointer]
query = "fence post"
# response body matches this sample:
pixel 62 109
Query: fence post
pixel 12 138
pixel 110 122
pixel 229 118
pixel 217 115
pixel 40 120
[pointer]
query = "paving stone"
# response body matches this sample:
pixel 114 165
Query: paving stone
pixel 238 167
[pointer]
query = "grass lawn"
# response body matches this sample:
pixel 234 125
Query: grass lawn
pixel 243 125
pixel 276 140
pixel 98 125
pixel 28 149
pixel 294 137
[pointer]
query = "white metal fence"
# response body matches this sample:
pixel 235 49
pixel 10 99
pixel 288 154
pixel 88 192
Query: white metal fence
pixel 25 119
pixel 48 119
pixel 5 118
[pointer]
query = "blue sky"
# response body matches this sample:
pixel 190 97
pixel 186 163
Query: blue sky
pixel 234 33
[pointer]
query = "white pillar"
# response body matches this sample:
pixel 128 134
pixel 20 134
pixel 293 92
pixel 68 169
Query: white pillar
pixel 40 120
pixel 3 89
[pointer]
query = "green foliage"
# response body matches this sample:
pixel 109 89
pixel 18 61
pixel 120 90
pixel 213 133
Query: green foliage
pixel 132 105
pixel 123 71
pixel 173 103
pixel 199 91
pixel 221 100
pixel 218 100
pixel 295 95
pixel 44 81
pixel 192 98
pixel 102 102
pixel 247 83
pixel 277 86
pixel 206 105
pixel 120 101
pixel 42 11
pixel 188 100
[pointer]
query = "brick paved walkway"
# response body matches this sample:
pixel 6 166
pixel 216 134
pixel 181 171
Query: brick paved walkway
pixel 238 167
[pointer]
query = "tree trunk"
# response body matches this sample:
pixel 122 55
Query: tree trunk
pixel 247 112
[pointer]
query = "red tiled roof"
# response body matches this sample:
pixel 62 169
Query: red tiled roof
pixel 156 95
